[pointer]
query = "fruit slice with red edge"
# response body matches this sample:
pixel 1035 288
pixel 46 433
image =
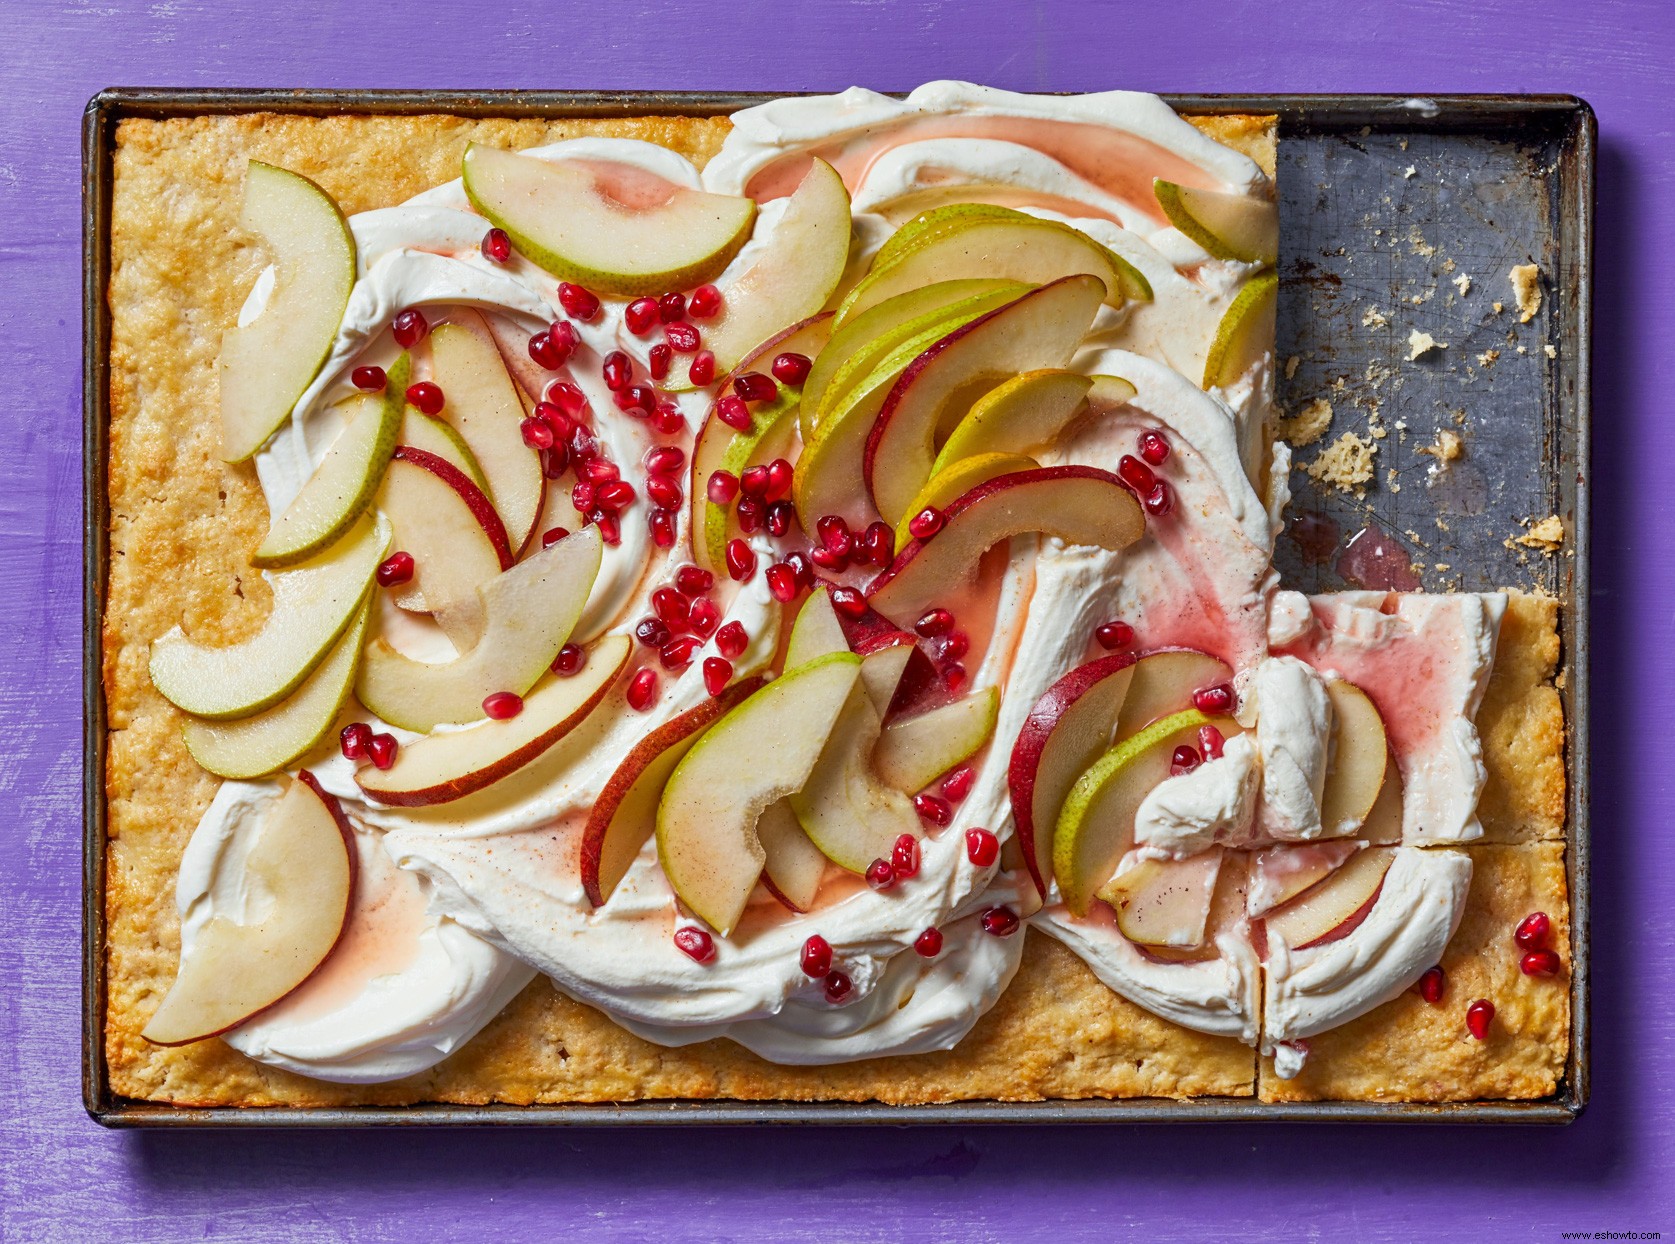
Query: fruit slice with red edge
pixel 272 740
pixel 793 866
pixel 1067 730
pixel 872 635
pixel 270 362
pixel 914 751
pixel 937 389
pixel 757 754
pixel 528 614
pixel 955 480
pixel 437 437
pixel 483 405
pixel 1332 909
pixel 1165 902
pixel 1164 683
pixel 772 434
pixel 344 483
pixel 1016 416
pixel 1245 333
pixel 313 604
pixel 1228 226
pixel 625 814
pixel 1078 504
pixel 604 225
pixel 303 863
pixel 1280 874
pixel 1359 753
pixel 441 768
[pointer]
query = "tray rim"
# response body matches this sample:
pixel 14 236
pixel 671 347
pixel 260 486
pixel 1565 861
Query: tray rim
pixel 1454 112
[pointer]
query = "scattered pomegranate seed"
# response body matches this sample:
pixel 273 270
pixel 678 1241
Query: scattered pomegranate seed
pixel 904 857
pixel 957 785
pixel 702 370
pixel 578 302
pixel 695 944
pixel 395 569
pixel 1432 984
pixel 693 580
pixel 369 379
pixel 880 543
pixel 1479 1015
pixel 617 370
pixel 665 460
pixel 928 943
pixel 932 809
pixel 717 674
pixel 409 328
pixel 639 400
pixel 753 386
pixel 1160 500
pixel 667 419
pixel 1114 635
pixel 824 558
pixel 952 647
pixel 537 433
pixel 354 740
pixel 926 523
pixel 564 338
pixel 567 397
pixel 704 616
pixel 652 632
pixel 734 413
pixel 780 476
pixel 741 560
pixel 496 246
pixel 1540 963
pixel 722 487
pixel 642 688
pixel 583 445
pixel 670 605
pixel 1153 447
pixel 936 622
pixel 753 481
pixel 662 524
pixel 751 514
pixel 782 516
pixel 640 316
pixel 552 535
pixel 600 471
pixel 982 848
pixel 1136 474
pixel 782 582
pixel 1217 699
pixel 671 307
pixel 558 423
pixel 838 986
pixel 546 352
pixel 816 959
pixel 686 339
pixel 791 369
pixel 677 654
pixel 705 302
pixel 1210 742
pixel 849 602
pixel 581 496
pixel 610 530
pixel 426 396
pixel 954 677
pixel 834 533
pixel 731 640
pixel 660 360
pixel 802 568
pixel 569 660
pixel 382 749
pixel 881 874
pixel 501 705
pixel 1185 760
pixel 1532 931
pixel 1000 922
pixel 663 491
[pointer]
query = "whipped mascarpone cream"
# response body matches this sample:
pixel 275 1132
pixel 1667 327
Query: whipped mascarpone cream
pixel 1212 805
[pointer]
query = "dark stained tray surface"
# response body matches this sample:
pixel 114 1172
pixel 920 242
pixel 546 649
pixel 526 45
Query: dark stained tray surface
pixel 1385 203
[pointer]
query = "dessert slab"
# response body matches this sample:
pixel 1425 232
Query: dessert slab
pixel 1377 195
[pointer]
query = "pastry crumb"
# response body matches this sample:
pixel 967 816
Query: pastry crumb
pixel 1499 307
pixel 1308 425
pixel 1463 284
pixel 1373 318
pixel 1422 343
pixel 1291 366
pixel 1487 357
pixel 1526 290
pixel 1547 535
pixel 1447 448
pixel 1550 352
pixel 1345 464
pixel 1410 171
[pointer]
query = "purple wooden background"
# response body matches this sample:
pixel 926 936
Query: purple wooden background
pixel 62 1178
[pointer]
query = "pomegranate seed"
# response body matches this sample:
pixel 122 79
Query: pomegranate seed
pixel 1210 741
pixel 670 605
pixel 881 874
pixel 1114 635
pixel 671 307
pixel 661 359
pixel 1532 931
pixel 816 959
pixel 834 533
pixel 782 582
pixel 954 677
pixel 849 602
pixel 753 386
pixel 734 413
pixel 569 660
pixel 546 352
pixel 395 569
pixel 686 339
pixel 642 688
pixel 617 370
pixel 667 419
pixel 501 705
pixel 678 653
pixel 610 530
pixel 1540 963
pixel 926 523
pixel 1479 1015
pixel 652 632
pixel 662 524
pixel 717 674
pixel 497 246
pixel 1185 760
pixel 930 808
pixel 426 396
pixel 369 379
pixel 556 420
pixel 600 471
pixel 904 857
pixel 1160 500
pixel 1154 448
pixel 382 748
pixel 952 647
pixel 409 328
pixel 1000 922
pixel 753 481
pixel 751 514
pixel 640 316
pixel 782 516
pixel 1136 474
pixel 567 397
pixel 937 622
pixel 537 433
pixel 881 544
pixel 779 479
pixel 802 568
pixel 564 338
pixel 723 486
pixel 555 461
pixel 705 302
pixel 1217 699
pixel 578 302
pixel 928 943
pixel 695 944
pixel 639 400
pixel 663 491
pixel 741 561
pixel 693 580
pixel 838 986
pixel 957 785
pixel 981 847
pixel 702 370
pixel 1432 983
pixel 732 639
pixel 791 369
pixel 704 616
pixel 824 558
pixel 581 496
pixel 552 535
pixel 616 496
pixel 665 460
pixel 353 741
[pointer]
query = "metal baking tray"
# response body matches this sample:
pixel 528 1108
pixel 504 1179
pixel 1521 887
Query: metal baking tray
pixel 1384 200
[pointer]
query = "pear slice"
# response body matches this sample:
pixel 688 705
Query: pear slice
pixel 438 438
pixel 793 866
pixel 1279 874
pixel 772 434
pixel 607 226
pixel 1383 825
pixel 441 768
pixel 268 364
pixel 1359 751
pixel 953 481
pixel 272 740
pixel 1164 683
pixel 1332 909
pixel 344 483
pixel 1246 331
pixel 913 752
pixel 312 605
pixel 528 614
pixel 816 632
pixel 1228 226
pixel 757 754
pixel 1017 415
pixel 1165 902
pixel 301 871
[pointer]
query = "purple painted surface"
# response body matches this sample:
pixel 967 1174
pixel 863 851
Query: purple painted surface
pixel 62 1178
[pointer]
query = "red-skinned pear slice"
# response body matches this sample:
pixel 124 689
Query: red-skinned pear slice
pixel 1016 416
pixel 344 483
pixel 273 740
pixel 1165 902
pixel 1281 873
pixel 313 604
pixel 1164 683
pixel 438 438
pixel 482 404
pixel 913 752
pixel 1359 752
pixel 886 652
pixel 936 390
pixel 1078 504
pixel 625 814
pixel 796 272
pixel 772 434
pixel 441 768
pixel 793 867
pixel 1069 728
pixel 956 479
pixel 1228 226
pixel 607 226
pixel 1332 909
pixel 303 863
pixel 268 364
pixel 528 614
pixel 1245 333
pixel 757 754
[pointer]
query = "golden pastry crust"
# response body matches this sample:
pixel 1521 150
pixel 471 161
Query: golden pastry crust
pixel 1253 136
pixel 1521 722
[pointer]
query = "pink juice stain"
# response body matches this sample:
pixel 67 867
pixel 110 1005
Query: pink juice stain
pixel 1316 537
pixel 1375 560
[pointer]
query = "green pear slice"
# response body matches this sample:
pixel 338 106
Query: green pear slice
pixel 268 364
pixel 954 481
pixel 771 435
pixel 344 483
pixel 1017 415
pixel 626 236
pixel 1228 226
pixel 912 752
pixel 312 605
pixel 438 438
pixel 756 755
pixel 302 864
pixel 1245 333
pixel 792 867
pixel 1166 902
pixel 528 614
pixel 272 740
pixel 441 768
pixel 816 632
pixel 1359 753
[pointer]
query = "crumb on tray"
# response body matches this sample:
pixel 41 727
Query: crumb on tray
pixel 1308 425
pixel 1546 534
pixel 1526 290
pixel 1422 343
pixel 1346 464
